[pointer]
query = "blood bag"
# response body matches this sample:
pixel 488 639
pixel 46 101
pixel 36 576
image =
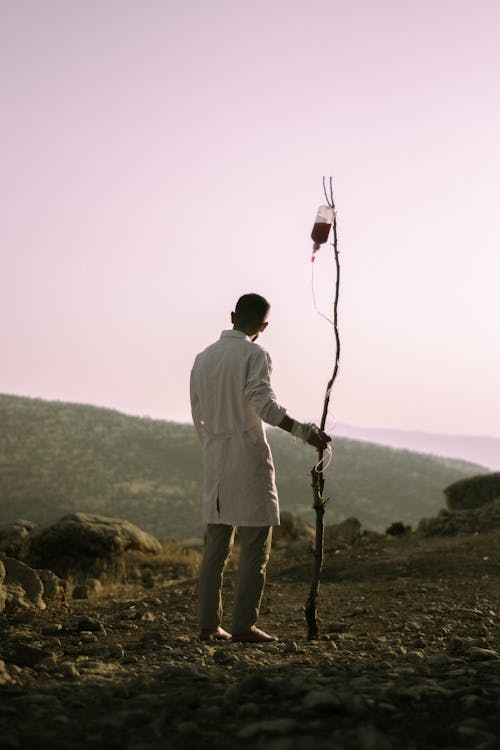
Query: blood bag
pixel 322 225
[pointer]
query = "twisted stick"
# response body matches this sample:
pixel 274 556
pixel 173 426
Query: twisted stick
pixel 318 481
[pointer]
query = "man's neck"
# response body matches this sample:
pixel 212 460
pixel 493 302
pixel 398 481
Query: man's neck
pixel 252 335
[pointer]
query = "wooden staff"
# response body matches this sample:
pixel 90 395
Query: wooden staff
pixel 318 481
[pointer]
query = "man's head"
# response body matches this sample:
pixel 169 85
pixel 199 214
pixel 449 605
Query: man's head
pixel 250 314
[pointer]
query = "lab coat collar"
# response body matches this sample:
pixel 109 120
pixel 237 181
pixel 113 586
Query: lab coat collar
pixel 235 334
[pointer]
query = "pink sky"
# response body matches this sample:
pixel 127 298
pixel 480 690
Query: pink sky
pixel 161 158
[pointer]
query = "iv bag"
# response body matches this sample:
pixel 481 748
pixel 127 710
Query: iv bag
pixel 322 225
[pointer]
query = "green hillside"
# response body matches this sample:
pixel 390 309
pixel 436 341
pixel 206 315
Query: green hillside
pixel 57 458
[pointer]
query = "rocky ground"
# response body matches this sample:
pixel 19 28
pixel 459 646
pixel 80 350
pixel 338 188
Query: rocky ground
pixel 409 658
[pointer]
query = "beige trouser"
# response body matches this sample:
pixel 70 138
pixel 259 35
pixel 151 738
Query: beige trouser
pixel 255 548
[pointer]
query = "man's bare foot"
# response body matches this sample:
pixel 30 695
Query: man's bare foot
pixel 215 635
pixel 254 635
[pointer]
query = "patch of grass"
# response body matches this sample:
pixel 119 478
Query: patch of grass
pixel 177 560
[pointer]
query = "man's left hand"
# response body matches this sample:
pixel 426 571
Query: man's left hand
pixel 317 438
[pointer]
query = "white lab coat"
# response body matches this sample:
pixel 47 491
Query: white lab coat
pixel 231 396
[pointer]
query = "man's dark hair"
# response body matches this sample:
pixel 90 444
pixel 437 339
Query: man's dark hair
pixel 251 310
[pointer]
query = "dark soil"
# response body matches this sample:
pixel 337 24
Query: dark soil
pixel 409 657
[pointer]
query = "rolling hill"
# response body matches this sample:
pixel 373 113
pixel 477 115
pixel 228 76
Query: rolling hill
pixel 57 458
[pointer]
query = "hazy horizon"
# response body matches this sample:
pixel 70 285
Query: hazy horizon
pixel 188 420
pixel 163 158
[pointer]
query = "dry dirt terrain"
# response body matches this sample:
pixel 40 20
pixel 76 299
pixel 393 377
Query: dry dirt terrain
pixel 409 658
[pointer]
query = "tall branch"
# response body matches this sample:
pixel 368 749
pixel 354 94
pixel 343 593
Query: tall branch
pixel 318 481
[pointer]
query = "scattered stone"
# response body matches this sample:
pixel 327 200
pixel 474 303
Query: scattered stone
pixel 14 537
pixel 369 738
pixel 147 579
pixel 415 657
pixel 419 665
pixel 90 625
pixel 4 675
pixel 88 637
pixel 97 669
pixel 3 589
pixel 336 627
pixel 482 654
pixel 248 710
pixel 92 587
pixel 28 655
pixel 25 616
pixel 343 534
pixel 224 657
pixel 438 660
pixel 68 670
pixel 321 700
pixel 455 645
pixel 80 591
pixel 188 729
pixel 272 727
pixel 53 629
pixel 54 589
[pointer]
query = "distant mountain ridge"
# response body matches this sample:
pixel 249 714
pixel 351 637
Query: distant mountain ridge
pixel 57 458
pixel 479 449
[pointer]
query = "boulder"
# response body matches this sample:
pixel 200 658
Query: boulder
pixel 473 492
pixel 28 654
pixel 92 587
pixel 24 588
pixel 23 584
pixel 3 589
pixel 291 530
pixel 54 589
pixel 471 521
pixel 82 546
pixel 14 537
pixel 343 534
pixel 4 675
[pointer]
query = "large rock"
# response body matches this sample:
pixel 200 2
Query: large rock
pixel 23 585
pixel 474 492
pixel 14 537
pixel 343 534
pixel 470 521
pixel 54 590
pixel 294 536
pixel 3 589
pixel 291 530
pixel 81 545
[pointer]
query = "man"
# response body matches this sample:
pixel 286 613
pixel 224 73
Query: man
pixel 231 397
